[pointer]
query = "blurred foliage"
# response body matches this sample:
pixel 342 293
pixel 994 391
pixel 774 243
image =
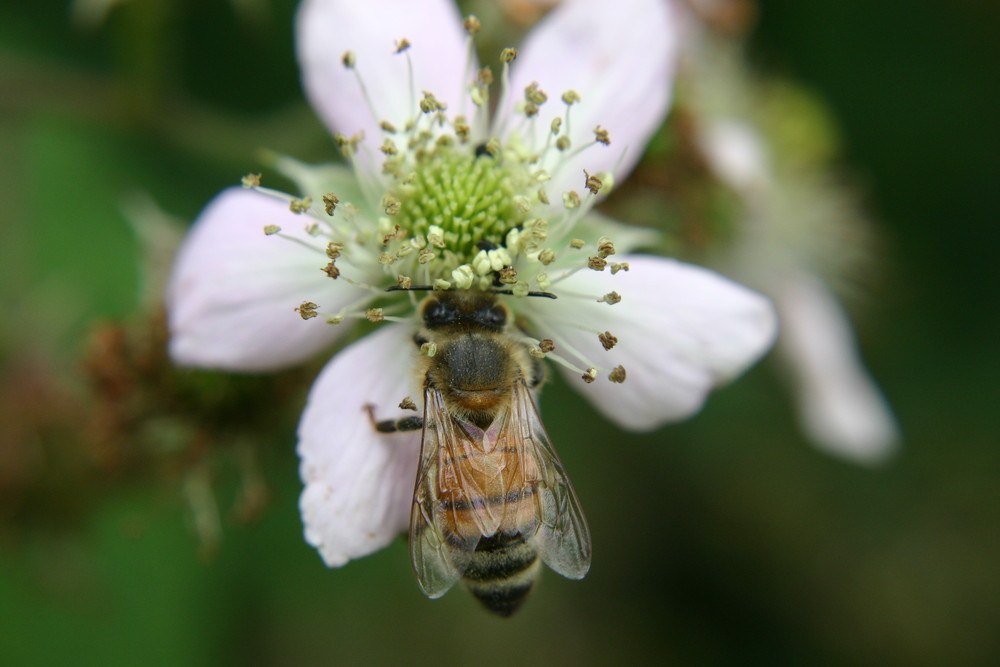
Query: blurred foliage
pixel 148 514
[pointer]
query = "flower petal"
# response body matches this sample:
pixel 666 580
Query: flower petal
pixel 232 295
pixel 681 331
pixel 841 408
pixel 326 29
pixel 620 57
pixel 359 483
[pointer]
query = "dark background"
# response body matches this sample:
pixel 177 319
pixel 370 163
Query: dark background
pixel 726 539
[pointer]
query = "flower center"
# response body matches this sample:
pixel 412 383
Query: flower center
pixel 466 199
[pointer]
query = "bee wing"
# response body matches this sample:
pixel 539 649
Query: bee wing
pixel 438 555
pixel 563 538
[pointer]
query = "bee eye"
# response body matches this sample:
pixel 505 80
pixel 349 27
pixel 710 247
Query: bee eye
pixel 436 313
pixel 494 316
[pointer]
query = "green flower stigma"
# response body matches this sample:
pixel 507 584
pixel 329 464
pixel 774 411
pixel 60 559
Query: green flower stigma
pixel 467 200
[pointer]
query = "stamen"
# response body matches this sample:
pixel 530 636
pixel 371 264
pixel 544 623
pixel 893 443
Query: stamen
pixel 507 56
pixel 617 374
pixel 596 263
pixel 611 298
pixel 608 340
pixel 330 202
pixel 299 206
pixel 307 310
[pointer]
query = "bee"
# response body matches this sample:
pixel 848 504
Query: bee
pixel 491 500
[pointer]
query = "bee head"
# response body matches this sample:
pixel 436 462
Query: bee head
pixel 477 310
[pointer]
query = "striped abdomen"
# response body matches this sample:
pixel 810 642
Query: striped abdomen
pixel 503 570
pixel 489 496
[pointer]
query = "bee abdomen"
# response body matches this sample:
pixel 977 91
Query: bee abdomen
pixel 502 572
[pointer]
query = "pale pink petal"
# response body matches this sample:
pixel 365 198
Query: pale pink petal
pixel 737 154
pixel 232 295
pixel 359 483
pixel 620 57
pixel 326 29
pixel 841 407
pixel 681 330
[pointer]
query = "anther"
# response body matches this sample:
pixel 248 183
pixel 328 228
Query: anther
pixel 333 249
pixel 546 345
pixel 394 234
pixel 493 147
pixel 592 183
pixel 611 298
pixel 407 404
pixel 508 275
pixel 471 24
pixel 390 205
pixel 617 374
pixel 307 310
pixel 463 276
pixel 332 270
pixel 563 143
pixel 571 199
pixel 330 201
pixel 570 97
pixel 462 129
pixel 596 263
pixel 546 256
pixel 374 315
pixel 605 247
pixel 348 59
pixel 299 206
pixel 607 339
pixel 388 147
pixel 428 349
pixel 388 127
pixel 404 282
pixel 271 230
pixel 615 268
pixel 431 103
pixel 251 180
pixel 556 125
pixel 402 45
pixel 576 244
pixel 589 375
pixel 508 55
pixel 601 136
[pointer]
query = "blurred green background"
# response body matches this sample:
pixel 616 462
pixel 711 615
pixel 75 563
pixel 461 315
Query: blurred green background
pixel 175 539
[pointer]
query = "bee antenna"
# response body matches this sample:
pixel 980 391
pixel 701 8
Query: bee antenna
pixel 431 288
pixel 547 295
pixel 418 288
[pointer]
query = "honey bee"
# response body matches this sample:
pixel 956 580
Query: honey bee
pixel 491 501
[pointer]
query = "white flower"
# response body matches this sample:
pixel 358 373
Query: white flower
pixel 795 223
pixel 440 194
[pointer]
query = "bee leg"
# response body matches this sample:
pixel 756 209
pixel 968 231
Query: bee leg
pixel 394 425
